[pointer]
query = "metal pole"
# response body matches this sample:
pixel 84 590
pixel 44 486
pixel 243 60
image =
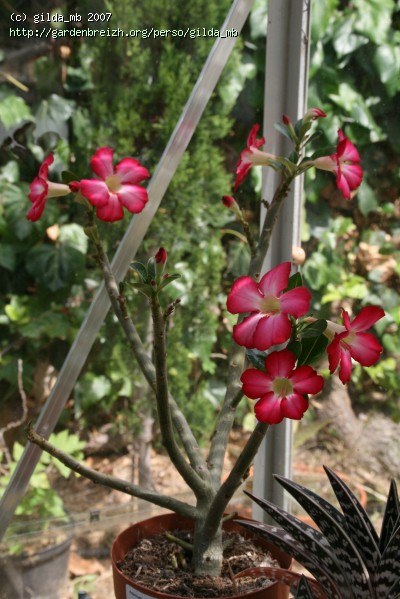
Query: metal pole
pixel 285 93
pixel 86 336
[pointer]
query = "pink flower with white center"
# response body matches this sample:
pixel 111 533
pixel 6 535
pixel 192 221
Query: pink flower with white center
pixel 282 390
pixel 354 343
pixel 268 323
pixel 41 189
pixel 344 164
pixel 251 156
pixel 118 187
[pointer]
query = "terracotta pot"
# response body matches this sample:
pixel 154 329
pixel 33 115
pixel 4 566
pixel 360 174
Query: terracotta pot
pixel 125 588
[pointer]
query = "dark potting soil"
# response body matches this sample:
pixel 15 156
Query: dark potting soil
pixel 164 566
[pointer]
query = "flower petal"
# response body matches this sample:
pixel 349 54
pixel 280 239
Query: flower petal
pixel 345 366
pixel 255 383
pixel 244 296
pixel 346 150
pixel 306 381
pixel 268 409
pixel 334 352
pixel 252 140
pixel 280 363
pixel 95 191
pixel 130 170
pixel 38 190
pixel 367 317
pixel 365 349
pixel 36 210
pixel 101 162
pixel 293 406
pixel 271 330
pixel 296 302
pixel 275 280
pixel 44 167
pixel 133 197
pixel 112 210
pixel 243 333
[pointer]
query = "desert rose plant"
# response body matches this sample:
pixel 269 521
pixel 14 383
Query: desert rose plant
pixel 276 344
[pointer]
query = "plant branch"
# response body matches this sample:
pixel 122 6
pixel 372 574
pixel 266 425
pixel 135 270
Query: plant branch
pixel 195 482
pixel 107 480
pixel 237 476
pixel 146 365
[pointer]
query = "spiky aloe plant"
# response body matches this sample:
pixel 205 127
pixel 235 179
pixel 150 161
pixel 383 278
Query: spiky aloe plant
pixel 346 556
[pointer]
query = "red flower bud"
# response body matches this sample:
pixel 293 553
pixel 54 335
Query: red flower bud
pixel 74 186
pixel 161 256
pixel 286 120
pixel 228 201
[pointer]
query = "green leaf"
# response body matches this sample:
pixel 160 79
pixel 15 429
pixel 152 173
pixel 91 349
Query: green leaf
pixel 52 116
pixel 68 176
pixel 387 63
pixel 367 201
pixel 256 358
pixel 7 256
pixel 312 350
pixel 14 113
pixel 141 270
pixel 169 279
pixel 55 266
pixel 283 130
pixel 296 280
pixel 151 269
pixel 315 329
pixel 73 235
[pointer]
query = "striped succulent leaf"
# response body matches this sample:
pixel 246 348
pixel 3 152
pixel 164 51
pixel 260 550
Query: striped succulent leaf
pixel 314 543
pixel 346 556
pixel 391 517
pixel 335 531
pixel 358 524
pixel 387 575
pixel 303 590
pixel 280 538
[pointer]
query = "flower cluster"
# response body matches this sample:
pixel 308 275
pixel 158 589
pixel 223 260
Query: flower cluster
pixel 115 188
pixel 275 312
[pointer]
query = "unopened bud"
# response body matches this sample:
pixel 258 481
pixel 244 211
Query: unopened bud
pixel 161 256
pixel 232 205
pixel 74 186
pixel 285 119
pixel 160 260
pixel 314 113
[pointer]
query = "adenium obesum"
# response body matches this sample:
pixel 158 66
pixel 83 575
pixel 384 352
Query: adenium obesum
pixel 271 312
pixel 278 343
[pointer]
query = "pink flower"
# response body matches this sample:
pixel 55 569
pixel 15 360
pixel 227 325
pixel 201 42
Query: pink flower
pixel 41 189
pixel 354 343
pixel 251 156
pixel 348 173
pixel 281 390
pixel 118 187
pixel 268 324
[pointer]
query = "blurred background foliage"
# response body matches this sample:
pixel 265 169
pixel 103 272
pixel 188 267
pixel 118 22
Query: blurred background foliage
pixel 72 95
